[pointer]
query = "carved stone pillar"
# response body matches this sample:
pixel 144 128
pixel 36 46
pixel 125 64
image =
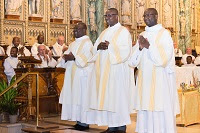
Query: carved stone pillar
pixel 67 21
pixel 2 39
pixel 26 21
pixel 48 15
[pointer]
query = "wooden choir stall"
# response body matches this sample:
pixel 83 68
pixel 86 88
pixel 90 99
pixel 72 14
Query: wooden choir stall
pixel 48 85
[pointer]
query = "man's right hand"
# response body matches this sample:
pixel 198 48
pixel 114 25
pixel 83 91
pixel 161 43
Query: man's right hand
pixel 102 46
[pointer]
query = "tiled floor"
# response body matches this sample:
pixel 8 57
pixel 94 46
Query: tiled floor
pixel 130 128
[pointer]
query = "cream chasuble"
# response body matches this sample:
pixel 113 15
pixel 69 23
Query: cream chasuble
pixel 156 72
pixel 112 82
pixel 74 95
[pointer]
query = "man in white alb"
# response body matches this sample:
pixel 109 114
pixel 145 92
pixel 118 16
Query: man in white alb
pixel 45 57
pixel 156 98
pixel 22 50
pixel 111 84
pixel 34 48
pixel 10 63
pixel 59 47
pixel 74 96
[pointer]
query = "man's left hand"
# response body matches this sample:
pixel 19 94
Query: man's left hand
pixel 143 42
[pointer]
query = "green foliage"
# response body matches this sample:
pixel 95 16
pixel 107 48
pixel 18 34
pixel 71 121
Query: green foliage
pixel 7 101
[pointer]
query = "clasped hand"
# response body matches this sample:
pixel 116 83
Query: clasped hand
pixel 68 57
pixel 143 42
pixel 103 45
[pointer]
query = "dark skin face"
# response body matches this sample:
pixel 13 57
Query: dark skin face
pixel 13 52
pixel 79 30
pixel 40 39
pixel 16 41
pixel 111 18
pixel 189 60
pixel 150 19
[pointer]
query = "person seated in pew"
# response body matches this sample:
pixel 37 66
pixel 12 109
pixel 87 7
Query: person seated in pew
pixel 189 62
pixel 10 63
pixel 2 52
pixel 46 57
pixel 34 48
pixel 197 60
pixel 59 47
pixel 188 53
pixel 22 50
pixel 177 51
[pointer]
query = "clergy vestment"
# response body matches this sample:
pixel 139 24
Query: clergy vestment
pixel 9 64
pixel 45 63
pixel 2 51
pixel 58 49
pixel 178 52
pixel 197 60
pixel 34 48
pixel 156 98
pixel 74 96
pixel 112 80
pixel 26 51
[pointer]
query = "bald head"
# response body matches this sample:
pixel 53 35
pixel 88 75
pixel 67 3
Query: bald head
pixel 114 10
pixel 80 30
pixel 40 39
pixel 16 41
pixel 41 50
pixel 189 51
pixel 61 40
pixel 150 17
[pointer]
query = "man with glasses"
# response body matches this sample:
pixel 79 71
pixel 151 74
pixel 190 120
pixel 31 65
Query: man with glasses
pixel 156 95
pixel 111 84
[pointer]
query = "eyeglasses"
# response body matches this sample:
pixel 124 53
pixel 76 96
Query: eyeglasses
pixel 109 15
pixel 148 15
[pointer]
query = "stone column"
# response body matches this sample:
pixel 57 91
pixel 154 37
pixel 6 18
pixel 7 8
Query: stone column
pixel 25 26
pixel 2 38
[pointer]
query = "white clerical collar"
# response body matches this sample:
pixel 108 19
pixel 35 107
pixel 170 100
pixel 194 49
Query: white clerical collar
pixel 153 28
pixel 81 38
pixel 114 26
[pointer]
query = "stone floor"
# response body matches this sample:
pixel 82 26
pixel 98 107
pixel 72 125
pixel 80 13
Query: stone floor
pixel 130 128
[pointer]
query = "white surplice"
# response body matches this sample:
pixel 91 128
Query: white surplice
pixel 58 49
pixel 74 95
pixel 112 80
pixel 156 97
pixel 2 52
pixel 9 64
pixel 34 48
pixel 50 63
pixel 26 51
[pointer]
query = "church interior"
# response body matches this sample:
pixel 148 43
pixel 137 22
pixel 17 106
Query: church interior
pixel 38 89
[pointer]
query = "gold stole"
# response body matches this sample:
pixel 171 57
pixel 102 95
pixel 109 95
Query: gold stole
pixel 84 58
pixel 106 71
pixel 153 82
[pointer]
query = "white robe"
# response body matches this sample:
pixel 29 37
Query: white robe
pixel 112 81
pixel 49 63
pixel 74 95
pixel 26 51
pixel 9 64
pixel 178 52
pixel 156 97
pixel 34 48
pixel 2 52
pixel 197 60
pixel 57 49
